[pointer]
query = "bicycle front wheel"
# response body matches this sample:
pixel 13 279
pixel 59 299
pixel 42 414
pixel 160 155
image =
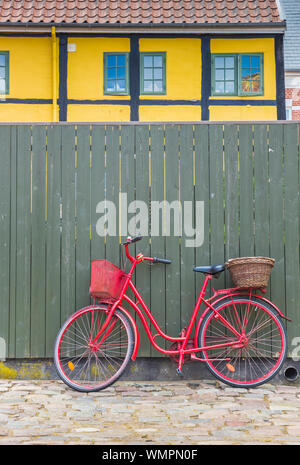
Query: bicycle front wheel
pixel 86 366
pixel 253 358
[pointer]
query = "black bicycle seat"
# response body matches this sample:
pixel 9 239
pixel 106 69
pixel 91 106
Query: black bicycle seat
pixel 213 269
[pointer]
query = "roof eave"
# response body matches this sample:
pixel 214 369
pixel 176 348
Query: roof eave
pixel 151 28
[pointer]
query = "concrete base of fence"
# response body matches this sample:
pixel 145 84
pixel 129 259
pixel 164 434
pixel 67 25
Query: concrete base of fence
pixel 143 369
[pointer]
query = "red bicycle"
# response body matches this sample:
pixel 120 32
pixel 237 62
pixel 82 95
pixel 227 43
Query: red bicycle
pixel 239 335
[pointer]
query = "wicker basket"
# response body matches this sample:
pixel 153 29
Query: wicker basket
pixel 250 272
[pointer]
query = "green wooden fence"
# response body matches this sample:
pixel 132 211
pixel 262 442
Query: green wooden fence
pixel 52 178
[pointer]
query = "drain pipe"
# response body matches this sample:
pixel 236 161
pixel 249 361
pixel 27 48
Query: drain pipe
pixel 291 373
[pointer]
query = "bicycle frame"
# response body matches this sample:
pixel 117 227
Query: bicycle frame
pixel 184 336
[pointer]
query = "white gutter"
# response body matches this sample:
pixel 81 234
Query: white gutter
pixel 262 28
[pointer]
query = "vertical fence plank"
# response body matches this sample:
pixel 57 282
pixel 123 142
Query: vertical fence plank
pixel 68 223
pixel 11 349
pixel 246 190
pixel 143 275
pixel 261 191
pixel 217 199
pixel 22 348
pixel 202 193
pixel 53 236
pixel 83 217
pixel 158 272
pixel 97 190
pixel 5 188
pixel 277 284
pixel 127 182
pixel 232 189
pixel 113 189
pixel 292 272
pixel 38 246
pixel 170 221
pixel 187 199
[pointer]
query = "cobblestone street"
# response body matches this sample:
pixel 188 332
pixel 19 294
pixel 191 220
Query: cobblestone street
pixel 148 413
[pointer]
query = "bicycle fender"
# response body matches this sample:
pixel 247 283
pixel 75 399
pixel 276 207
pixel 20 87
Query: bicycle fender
pixel 274 306
pixel 136 333
pixel 252 295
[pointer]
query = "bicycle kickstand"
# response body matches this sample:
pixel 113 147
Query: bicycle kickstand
pixel 180 362
pixel 179 372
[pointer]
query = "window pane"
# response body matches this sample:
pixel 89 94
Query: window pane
pixel 111 73
pixel 157 61
pixel 148 86
pixel 246 85
pixel 2 86
pixel 245 61
pixel 220 74
pixel 148 73
pixel 229 75
pixel 255 62
pixel 111 85
pixel 148 61
pixel 245 73
pixel 158 87
pixel 157 73
pixel 219 87
pixel 120 85
pixel 120 60
pixel 219 62
pixel 120 73
pixel 255 73
pixel 229 87
pixel 256 86
pixel 2 72
pixel 111 60
pixel 229 62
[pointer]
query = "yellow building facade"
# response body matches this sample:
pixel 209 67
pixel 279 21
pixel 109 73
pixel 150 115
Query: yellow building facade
pixel 137 77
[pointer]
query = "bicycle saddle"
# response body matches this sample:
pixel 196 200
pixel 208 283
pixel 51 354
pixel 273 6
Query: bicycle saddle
pixel 213 269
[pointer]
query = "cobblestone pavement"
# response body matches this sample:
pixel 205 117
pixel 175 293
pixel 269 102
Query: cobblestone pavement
pixel 161 413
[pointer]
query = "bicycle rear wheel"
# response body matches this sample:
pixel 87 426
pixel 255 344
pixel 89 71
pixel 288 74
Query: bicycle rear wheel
pixel 260 355
pixel 84 366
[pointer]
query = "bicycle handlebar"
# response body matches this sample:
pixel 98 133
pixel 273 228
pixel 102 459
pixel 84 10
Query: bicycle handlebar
pixel 166 261
pixel 131 240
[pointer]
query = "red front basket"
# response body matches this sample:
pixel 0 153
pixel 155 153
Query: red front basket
pixel 107 280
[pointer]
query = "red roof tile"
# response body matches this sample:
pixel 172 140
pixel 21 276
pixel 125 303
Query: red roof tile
pixel 139 11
